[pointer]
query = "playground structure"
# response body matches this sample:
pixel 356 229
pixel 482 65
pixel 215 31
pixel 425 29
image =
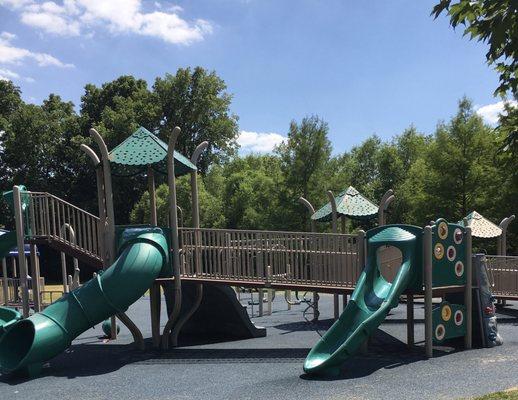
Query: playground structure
pixel 172 257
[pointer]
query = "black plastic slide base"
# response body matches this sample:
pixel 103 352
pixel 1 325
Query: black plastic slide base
pixel 220 315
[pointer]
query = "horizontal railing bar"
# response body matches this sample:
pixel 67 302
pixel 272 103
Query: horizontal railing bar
pixel 306 234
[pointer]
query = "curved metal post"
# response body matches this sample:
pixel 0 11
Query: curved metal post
pixel 311 211
pixel 196 224
pixel 180 216
pixel 20 241
pixel 109 249
pixel 66 227
pixel 385 201
pixel 502 240
pixel 100 197
pixel 175 242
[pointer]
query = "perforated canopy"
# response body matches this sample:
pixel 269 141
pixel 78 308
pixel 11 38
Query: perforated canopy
pixel 481 227
pixel 141 149
pixel 349 203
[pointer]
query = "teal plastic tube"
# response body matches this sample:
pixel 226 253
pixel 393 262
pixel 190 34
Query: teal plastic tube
pixel 31 342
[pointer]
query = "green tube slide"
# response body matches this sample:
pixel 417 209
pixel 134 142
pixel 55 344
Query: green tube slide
pixel 28 343
pixel 370 302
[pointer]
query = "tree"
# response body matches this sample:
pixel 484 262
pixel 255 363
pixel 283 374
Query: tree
pixel 252 195
pixel 460 173
pixel 211 207
pixel 303 158
pixel 198 103
pixel 495 23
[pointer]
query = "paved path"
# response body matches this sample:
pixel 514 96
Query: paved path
pixel 271 367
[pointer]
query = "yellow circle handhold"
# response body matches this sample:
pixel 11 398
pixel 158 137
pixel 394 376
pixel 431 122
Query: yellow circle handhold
pixel 442 230
pixel 438 251
pixel 446 313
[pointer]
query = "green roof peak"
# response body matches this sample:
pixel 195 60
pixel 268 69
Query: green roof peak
pixel 349 203
pixel 143 148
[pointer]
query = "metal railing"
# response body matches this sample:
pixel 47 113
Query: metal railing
pixel 14 296
pixel 48 214
pixel 321 259
pixel 503 275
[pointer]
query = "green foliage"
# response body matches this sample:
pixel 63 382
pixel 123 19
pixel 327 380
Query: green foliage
pixel 303 159
pixel 494 23
pixel 198 103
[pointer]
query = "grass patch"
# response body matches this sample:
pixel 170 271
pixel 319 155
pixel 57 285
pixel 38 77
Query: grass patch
pixel 510 394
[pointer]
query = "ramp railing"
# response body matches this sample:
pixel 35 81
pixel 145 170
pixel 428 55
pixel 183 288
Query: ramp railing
pixel 503 275
pixel 321 259
pixel 47 215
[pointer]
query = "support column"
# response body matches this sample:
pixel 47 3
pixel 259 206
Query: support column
pixel 5 282
pixel 20 241
pixel 154 290
pixel 101 203
pixel 468 293
pixel 502 240
pixel 385 201
pixel 109 247
pixel 311 210
pixel 410 320
pixel 35 273
pixel 196 224
pixel 334 223
pixel 175 242
pixel 428 294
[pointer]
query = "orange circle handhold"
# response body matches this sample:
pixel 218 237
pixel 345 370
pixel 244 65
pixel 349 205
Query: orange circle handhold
pixel 438 251
pixel 442 230
pixel 446 313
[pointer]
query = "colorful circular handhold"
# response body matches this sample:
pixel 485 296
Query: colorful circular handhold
pixel 442 230
pixel 440 332
pixel 438 251
pixel 458 236
pixel 451 253
pixel 458 318
pixel 459 268
pixel 446 313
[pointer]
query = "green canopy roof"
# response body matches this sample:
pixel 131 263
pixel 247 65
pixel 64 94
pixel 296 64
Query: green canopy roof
pixel 481 227
pixel 141 149
pixel 349 203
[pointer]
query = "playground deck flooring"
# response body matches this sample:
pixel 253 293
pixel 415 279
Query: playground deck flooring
pixel 271 367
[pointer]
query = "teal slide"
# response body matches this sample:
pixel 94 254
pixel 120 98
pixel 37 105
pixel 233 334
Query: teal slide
pixel 371 301
pixel 28 343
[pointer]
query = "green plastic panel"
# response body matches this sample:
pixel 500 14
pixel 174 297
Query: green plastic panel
pixel 141 149
pixel 448 254
pixel 349 203
pixel 449 321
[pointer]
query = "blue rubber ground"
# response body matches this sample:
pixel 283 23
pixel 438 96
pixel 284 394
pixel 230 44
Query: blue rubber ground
pixel 271 367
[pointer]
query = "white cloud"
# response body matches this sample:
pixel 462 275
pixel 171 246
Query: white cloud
pixel 10 54
pixel 491 112
pixel 259 142
pixel 7 74
pixel 82 17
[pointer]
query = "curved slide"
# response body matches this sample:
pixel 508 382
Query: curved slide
pixel 370 302
pixel 28 343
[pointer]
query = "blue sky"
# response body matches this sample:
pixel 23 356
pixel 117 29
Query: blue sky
pixel 363 66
